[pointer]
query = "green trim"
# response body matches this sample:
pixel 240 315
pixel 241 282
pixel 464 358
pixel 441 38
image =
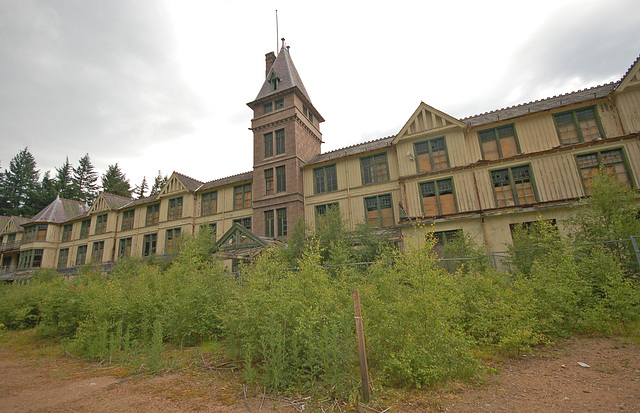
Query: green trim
pixel 579 130
pixel 497 140
pixel 625 162
pixel 435 182
pixel 446 153
pixel 236 233
pixel 512 184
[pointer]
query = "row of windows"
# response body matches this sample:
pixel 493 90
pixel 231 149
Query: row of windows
pixel 511 186
pixel 34 233
pixel 275 105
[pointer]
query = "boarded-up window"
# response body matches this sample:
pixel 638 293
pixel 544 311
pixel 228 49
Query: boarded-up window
pixel 612 161
pixel 101 224
pixel 97 251
pixel 127 219
pixel 431 155
pixel 498 143
pixel 242 196
pixel 580 125
pixel 42 232
pixel 209 203
pixel 513 186
pixel 175 208
pixel 172 238
pixel 438 197
pixel 374 169
pixel 379 211
pixel 153 214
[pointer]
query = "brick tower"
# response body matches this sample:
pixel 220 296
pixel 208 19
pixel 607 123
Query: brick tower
pixel 286 134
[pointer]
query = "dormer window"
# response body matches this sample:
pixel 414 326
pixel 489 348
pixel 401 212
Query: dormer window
pixel 274 81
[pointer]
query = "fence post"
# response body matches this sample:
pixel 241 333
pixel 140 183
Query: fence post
pixel 635 248
pixel 362 352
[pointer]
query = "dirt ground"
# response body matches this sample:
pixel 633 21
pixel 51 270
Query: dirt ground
pixel 551 380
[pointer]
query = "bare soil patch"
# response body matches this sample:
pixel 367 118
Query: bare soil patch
pixel 550 380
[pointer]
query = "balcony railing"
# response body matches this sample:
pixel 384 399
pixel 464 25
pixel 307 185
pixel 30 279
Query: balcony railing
pixel 8 246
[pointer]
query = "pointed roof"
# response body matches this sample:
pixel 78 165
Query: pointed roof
pixel 238 237
pixel 13 224
pixel 427 119
pixel 60 210
pixel 106 201
pixel 286 72
pixel 632 77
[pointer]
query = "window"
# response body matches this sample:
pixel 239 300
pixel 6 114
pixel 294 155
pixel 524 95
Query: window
pixel 273 81
pixel 374 169
pixel 268 107
pixel 30 259
pixel 175 208
pixel 268 181
pixel 307 113
pixel 42 232
pixel 279 104
pixel 532 227
pixel 281 179
pixel 128 219
pixel 379 211
pixel 431 155
pixel 81 255
pixel 97 251
pixel 281 215
pixel 242 196
pixel 280 149
pixel 269 224
pixel 153 214
pixel 442 237
pixel 63 258
pixel 101 224
pixel 438 198
pixel 124 247
pixel 325 179
pixel 84 228
pixel 580 125
pixel 268 145
pixel 612 161
pixel 212 226
pixel 209 203
pixel 245 222
pixel 498 143
pixel 149 243
pixel 513 186
pixel 172 238
pixel 66 232
pixel 29 234
pixel 321 210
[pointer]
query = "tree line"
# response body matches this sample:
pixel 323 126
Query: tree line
pixel 24 193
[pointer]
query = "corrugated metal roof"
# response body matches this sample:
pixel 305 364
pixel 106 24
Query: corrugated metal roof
pixel 541 105
pixel 60 210
pixel 353 150
pixel 226 181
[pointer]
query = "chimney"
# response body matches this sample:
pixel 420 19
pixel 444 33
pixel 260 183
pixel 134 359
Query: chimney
pixel 270 58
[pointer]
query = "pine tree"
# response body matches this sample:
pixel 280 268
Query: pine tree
pixel 64 180
pixel 158 184
pixel 84 181
pixel 45 192
pixel 140 190
pixel 18 183
pixel 114 181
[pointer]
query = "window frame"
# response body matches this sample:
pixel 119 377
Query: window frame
pixel 281 222
pixel 279 142
pixel 101 224
pixel 242 190
pixel 624 162
pixel 152 216
pixel 281 178
pixel 63 253
pixel 437 194
pixel 97 251
pixel 268 144
pixel 128 219
pixel 81 251
pixel 576 124
pixel 429 144
pixel 124 247
pixel 85 226
pixel 278 104
pixel 171 234
pixel 327 176
pixel 268 182
pixel 269 223
pixel 379 209
pixel 374 159
pixel 512 185
pixel 242 221
pixel 149 244
pixel 208 203
pixel 267 107
pixel 322 209
pixel 496 139
pixel 67 231
pixel 175 208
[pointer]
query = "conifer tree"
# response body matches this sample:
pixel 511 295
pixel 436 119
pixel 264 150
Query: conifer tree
pixel 44 194
pixel 114 181
pixel 18 183
pixel 141 189
pixel 64 180
pixel 85 180
pixel 159 182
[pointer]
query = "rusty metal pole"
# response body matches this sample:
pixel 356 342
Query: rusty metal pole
pixel 362 352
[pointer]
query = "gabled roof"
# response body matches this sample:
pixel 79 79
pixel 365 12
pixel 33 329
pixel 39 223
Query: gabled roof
pixel 141 201
pixel 178 182
pixel 427 118
pixel 13 224
pixel 238 237
pixel 285 71
pixel 245 176
pixel 60 210
pixel 352 150
pixel 571 98
pixel 631 78
pixel 108 202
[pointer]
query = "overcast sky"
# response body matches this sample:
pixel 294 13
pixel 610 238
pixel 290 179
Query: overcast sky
pixel 163 85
